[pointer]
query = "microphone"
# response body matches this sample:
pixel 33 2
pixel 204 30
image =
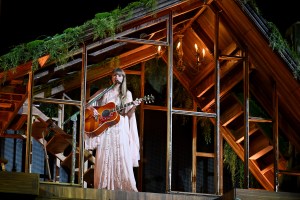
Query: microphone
pixel 117 81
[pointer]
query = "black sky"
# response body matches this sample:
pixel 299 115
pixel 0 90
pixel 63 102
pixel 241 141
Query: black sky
pixel 25 21
pixel 282 13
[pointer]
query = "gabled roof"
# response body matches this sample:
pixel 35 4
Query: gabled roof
pixel 242 37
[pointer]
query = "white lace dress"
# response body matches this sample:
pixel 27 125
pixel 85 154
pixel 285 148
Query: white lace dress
pixel 117 150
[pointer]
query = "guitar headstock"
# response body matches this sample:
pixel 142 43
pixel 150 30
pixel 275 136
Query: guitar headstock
pixel 149 98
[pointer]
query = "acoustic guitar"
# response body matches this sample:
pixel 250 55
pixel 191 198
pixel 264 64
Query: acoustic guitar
pixel 108 116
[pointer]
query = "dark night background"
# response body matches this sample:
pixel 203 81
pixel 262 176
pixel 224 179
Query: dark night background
pixel 25 21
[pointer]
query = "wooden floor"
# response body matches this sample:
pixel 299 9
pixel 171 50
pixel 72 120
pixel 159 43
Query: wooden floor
pixel 60 192
pixel 49 191
pixel 244 194
pixel 14 185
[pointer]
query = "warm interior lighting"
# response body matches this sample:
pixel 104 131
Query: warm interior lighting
pixel 178 45
pixel 200 57
pixel 179 50
pixel 197 53
pixel 203 53
pixel 196 48
pixel 159 51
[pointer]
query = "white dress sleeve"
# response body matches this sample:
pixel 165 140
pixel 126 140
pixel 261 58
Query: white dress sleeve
pixel 133 134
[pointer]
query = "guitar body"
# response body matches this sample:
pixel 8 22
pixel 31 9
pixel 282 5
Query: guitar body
pixel 108 116
pixel 96 125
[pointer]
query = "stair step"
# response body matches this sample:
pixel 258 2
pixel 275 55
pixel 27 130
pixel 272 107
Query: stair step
pixel 39 129
pixel 18 122
pixel 6 105
pixel 58 143
pixel 12 97
pixel 259 145
pixel 67 163
pixel 261 152
pixel 231 114
pixel 4 115
pixel 88 177
pixel 240 133
pixel 13 89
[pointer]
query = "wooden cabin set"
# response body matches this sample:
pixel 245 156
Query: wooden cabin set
pixel 225 64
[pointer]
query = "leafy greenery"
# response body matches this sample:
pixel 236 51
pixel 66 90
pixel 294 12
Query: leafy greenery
pixel 50 110
pixel 60 47
pixel 231 159
pixel 236 167
pixel 156 74
pixel 207 129
pixel 277 42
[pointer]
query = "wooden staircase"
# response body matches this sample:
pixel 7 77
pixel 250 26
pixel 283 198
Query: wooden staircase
pixel 12 96
pixel 13 116
pixel 59 144
pixel 261 154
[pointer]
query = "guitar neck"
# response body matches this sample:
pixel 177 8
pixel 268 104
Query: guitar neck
pixel 119 108
pixel 145 98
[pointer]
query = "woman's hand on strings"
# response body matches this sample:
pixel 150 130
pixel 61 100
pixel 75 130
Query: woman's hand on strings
pixel 137 102
pixel 94 111
pixel 133 108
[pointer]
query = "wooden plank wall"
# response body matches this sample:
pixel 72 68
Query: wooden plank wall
pixel 19 183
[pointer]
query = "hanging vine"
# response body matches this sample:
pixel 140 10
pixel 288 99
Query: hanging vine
pixel 61 46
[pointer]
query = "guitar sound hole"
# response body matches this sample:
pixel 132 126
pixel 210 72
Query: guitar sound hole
pixel 105 113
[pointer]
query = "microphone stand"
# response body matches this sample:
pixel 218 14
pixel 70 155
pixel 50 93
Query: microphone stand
pixel 97 97
pixel 100 95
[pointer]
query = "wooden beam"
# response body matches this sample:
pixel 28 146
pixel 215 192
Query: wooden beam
pixel 18 122
pixel 290 172
pixel 259 119
pixel 204 154
pixel 42 61
pixel 20 70
pixel 96 72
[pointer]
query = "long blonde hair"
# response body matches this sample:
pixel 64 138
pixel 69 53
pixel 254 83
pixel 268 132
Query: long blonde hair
pixel 123 86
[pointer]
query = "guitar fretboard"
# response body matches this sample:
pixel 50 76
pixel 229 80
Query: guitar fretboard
pixel 121 107
pixel 118 108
